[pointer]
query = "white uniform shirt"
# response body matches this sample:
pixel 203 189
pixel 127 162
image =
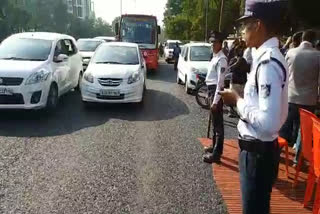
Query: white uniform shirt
pixel 264 113
pixel 216 73
pixel 247 55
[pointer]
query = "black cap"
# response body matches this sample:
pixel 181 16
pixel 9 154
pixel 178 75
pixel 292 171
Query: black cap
pixel 265 10
pixel 216 36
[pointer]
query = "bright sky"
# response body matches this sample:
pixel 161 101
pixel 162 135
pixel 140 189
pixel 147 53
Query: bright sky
pixel 109 9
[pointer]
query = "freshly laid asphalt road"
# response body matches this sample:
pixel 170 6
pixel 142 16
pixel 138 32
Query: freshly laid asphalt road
pixel 111 158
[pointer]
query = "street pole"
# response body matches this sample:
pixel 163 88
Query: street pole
pixel 207 6
pixel 221 14
pixel 120 7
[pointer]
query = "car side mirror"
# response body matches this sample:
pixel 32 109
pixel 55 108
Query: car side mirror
pixel 159 29
pixel 186 58
pixel 142 65
pixel 60 58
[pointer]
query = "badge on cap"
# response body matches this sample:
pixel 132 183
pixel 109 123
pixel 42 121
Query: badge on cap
pixel 265 90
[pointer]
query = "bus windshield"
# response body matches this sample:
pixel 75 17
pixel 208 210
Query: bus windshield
pixel 140 30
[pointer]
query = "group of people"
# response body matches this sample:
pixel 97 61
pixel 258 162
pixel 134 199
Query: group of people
pixel 277 83
pixel 303 58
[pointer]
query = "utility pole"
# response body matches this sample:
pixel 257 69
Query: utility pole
pixel 206 31
pixel 120 8
pixel 221 15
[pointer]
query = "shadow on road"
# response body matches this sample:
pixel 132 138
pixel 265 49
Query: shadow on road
pixel 71 116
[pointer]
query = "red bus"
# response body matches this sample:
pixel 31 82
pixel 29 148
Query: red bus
pixel 143 30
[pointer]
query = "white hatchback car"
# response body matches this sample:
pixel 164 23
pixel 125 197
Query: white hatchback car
pixel 87 47
pixel 116 74
pixel 106 38
pixel 194 58
pixel 168 49
pixel 37 68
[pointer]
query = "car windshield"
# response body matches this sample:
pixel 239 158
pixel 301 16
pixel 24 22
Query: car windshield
pixel 141 30
pixel 172 45
pixel 87 45
pixel 112 54
pixel 200 53
pixel 25 49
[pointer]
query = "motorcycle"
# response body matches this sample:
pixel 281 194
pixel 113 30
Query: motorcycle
pixel 201 90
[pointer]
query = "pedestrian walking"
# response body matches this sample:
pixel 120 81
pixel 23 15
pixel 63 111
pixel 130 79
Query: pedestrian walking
pixel 215 81
pixel 225 48
pixel 296 40
pixel 176 54
pixel 284 49
pixel 231 54
pixel 161 50
pixel 239 69
pixel 263 110
pixel 304 69
pixel 318 45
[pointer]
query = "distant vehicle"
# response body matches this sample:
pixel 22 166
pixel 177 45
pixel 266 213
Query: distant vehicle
pixel 168 49
pixel 116 74
pixel 87 47
pixel 194 59
pixel 106 38
pixel 142 30
pixel 36 69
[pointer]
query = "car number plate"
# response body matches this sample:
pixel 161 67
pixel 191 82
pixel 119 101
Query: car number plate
pixel 6 91
pixel 111 93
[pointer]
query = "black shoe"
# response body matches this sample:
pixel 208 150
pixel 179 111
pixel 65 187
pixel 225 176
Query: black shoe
pixel 211 158
pixel 208 149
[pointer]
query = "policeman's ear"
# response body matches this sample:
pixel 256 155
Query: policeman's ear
pixel 257 25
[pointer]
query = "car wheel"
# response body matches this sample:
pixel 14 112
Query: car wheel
pixel 53 98
pixel 187 89
pixel 143 94
pixel 79 82
pixel 178 79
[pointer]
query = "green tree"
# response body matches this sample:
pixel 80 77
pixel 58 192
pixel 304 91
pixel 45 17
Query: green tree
pixel 113 24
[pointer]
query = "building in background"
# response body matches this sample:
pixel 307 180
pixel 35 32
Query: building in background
pixel 81 8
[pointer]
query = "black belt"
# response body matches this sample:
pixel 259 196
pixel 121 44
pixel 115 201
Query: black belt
pixel 258 146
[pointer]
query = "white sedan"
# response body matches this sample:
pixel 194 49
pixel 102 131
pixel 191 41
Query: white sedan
pixel 36 69
pixel 87 47
pixel 194 59
pixel 116 74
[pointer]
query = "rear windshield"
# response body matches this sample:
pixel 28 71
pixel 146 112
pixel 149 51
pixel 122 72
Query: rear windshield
pixel 200 53
pixel 87 45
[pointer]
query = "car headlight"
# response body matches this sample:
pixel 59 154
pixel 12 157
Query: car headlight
pixel 194 70
pixel 88 77
pixel 37 77
pixel 134 78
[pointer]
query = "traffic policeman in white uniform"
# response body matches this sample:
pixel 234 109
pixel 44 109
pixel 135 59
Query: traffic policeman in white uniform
pixel 215 82
pixel 263 110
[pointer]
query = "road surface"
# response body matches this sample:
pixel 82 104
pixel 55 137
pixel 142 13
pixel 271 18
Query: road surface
pixel 111 158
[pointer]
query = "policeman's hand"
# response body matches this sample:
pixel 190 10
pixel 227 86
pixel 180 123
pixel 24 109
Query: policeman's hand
pixel 230 97
pixel 213 107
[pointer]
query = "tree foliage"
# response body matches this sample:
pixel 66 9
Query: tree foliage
pixel 49 16
pixel 191 14
pixel 186 19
